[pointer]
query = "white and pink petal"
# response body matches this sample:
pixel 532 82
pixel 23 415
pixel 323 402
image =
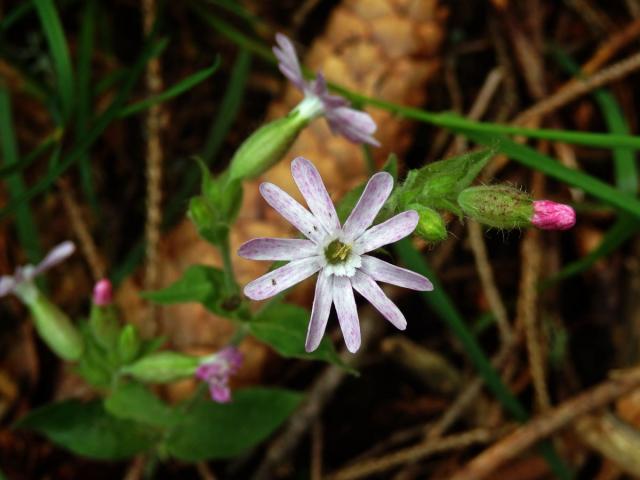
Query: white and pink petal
pixel 277 249
pixel 274 282
pixel 369 289
pixel 369 205
pixel 391 231
pixel 312 188
pixel 382 271
pixel 320 311
pixel 347 312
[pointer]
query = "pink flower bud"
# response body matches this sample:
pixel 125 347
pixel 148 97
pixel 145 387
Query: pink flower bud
pixel 548 215
pixel 102 293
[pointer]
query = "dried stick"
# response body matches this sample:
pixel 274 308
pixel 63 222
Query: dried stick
pixel 619 384
pixel 488 282
pixel 79 226
pixel 528 313
pixel 316 451
pixel 318 396
pixel 575 90
pixel 417 452
pixel 153 164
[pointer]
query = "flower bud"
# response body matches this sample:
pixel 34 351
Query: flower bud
pixel 102 293
pixel 266 146
pixel 431 226
pixel 54 326
pixel 499 206
pixel 548 215
pixel 163 367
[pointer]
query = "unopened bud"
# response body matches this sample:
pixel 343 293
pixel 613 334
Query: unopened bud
pixel 102 293
pixel 431 226
pixel 128 344
pixel 266 146
pixel 163 367
pixel 548 215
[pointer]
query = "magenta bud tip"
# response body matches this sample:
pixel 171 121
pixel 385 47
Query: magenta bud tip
pixel 548 215
pixel 103 293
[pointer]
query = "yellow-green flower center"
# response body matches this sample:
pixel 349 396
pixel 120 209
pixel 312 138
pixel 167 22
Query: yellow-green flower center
pixel 337 252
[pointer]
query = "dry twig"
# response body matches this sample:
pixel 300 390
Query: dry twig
pixel 619 384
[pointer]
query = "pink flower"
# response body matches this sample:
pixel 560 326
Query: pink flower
pixel 337 252
pixel 21 281
pixel 102 293
pixel 354 125
pixel 548 215
pixel 217 370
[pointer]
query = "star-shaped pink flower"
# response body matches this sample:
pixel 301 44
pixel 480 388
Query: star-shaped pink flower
pixel 338 252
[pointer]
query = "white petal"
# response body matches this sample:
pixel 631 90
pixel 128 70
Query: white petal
pixel 57 254
pixel 288 60
pixel 370 290
pixel 314 192
pixel 277 249
pixel 282 278
pixel 382 271
pixel 347 312
pixel 320 311
pixel 293 212
pixel 387 232
pixel 375 194
pixel 7 284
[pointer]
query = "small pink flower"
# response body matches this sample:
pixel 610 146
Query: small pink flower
pixel 548 215
pixel 24 276
pixel 337 251
pixel 354 125
pixel 217 369
pixel 102 293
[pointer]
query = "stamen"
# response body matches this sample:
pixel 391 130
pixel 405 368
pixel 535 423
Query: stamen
pixel 337 252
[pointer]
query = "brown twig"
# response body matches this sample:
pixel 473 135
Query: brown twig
pixel 316 451
pixel 546 424
pixel 81 231
pixel 487 280
pixel 154 121
pixel 416 452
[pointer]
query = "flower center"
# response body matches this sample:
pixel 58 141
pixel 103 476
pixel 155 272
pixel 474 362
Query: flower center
pixel 337 252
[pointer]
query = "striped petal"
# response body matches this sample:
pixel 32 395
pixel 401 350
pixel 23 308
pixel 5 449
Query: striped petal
pixel 57 254
pixel 288 60
pixel 387 232
pixel 320 311
pixel 347 312
pixel 282 278
pixel 314 192
pixel 369 289
pixel 375 194
pixel 382 271
pixel 277 249
pixel 293 212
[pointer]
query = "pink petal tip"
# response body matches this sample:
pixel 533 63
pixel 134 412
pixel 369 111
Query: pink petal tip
pixel 548 215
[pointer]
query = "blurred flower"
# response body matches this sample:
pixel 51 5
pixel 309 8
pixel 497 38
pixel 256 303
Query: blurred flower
pixel 21 283
pixel 338 252
pixel 217 369
pixel 548 215
pixel 102 293
pixel 354 125
pixel 54 326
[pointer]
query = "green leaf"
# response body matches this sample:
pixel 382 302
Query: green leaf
pixel 179 88
pixel 284 327
pixel 133 401
pixel 215 431
pixel 59 52
pixel 199 283
pixel 25 224
pixel 88 430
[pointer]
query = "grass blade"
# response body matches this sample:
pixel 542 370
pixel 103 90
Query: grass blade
pixel 25 225
pixel 15 15
pixel 173 91
pixel 446 310
pixel 227 113
pixel 151 49
pixel 83 116
pixel 52 139
pixel 60 54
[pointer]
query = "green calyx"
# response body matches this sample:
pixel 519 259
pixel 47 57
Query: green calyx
pixel 162 367
pixel 499 206
pixel 431 226
pixel 337 252
pixel 266 146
